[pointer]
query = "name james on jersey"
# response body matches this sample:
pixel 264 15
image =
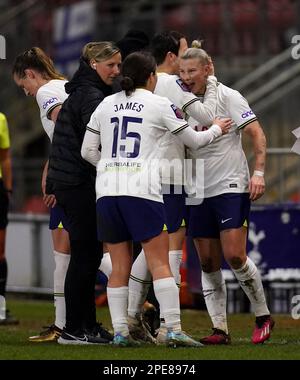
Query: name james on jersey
pixel 129 106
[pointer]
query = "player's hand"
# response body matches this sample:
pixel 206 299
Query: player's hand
pixel 49 200
pixel 224 124
pixel 43 185
pixel 256 187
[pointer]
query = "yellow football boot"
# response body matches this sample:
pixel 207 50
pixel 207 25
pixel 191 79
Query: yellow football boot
pixel 51 334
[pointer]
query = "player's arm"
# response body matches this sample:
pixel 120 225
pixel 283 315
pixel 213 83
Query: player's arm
pixel 246 120
pixel 54 113
pixel 196 140
pixel 257 182
pixel 49 199
pixel 90 147
pixel 192 139
pixel 49 102
pixel 91 142
pixel 6 167
pixel 204 112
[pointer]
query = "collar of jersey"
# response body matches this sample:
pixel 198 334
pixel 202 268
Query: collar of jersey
pixel 139 89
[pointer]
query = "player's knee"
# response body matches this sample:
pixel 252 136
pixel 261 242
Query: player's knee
pixel 235 261
pixel 207 265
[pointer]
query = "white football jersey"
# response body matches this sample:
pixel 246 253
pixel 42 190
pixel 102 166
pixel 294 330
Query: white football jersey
pixel 49 96
pixel 225 165
pixel 172 87
pixel 131 131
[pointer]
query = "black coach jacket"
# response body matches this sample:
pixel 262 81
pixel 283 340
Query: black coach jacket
pixel 66 166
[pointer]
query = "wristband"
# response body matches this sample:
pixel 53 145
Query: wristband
pixel 9 191
pixel 259 173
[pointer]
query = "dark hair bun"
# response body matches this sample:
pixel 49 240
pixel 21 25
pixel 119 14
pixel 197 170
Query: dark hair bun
pixel 127 84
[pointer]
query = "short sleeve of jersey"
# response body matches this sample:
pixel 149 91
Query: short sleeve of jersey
pixel 240 110
pixel 47 100
pixel 4 134
pixel 94 123
pixel 178 93
pixel 172 117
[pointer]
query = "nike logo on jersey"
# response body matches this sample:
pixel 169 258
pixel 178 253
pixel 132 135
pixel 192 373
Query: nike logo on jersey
pixel 225 220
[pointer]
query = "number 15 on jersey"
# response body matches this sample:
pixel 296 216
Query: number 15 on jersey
pixel 119 142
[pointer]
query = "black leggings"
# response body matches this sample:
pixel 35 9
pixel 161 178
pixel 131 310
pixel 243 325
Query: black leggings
pixel 79 206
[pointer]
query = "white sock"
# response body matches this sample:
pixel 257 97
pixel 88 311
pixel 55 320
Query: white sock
pixel 167 295
pixel 175 261
pixel 215 296
pixel 61 266
pixel 2 308
pixel 139 283
pixel 106 265
pixel 117 302
pixel 250 281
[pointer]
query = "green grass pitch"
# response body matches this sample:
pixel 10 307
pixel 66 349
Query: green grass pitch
pixel 33 314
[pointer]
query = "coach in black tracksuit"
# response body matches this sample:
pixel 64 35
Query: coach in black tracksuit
pixel 72 180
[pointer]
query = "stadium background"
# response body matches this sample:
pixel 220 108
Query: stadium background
pixel 251 44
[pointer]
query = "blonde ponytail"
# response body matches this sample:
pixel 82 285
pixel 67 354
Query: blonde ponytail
pixel 197 44
pixel 36 59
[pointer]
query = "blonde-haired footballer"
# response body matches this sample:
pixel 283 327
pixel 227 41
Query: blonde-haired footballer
pixel 220 223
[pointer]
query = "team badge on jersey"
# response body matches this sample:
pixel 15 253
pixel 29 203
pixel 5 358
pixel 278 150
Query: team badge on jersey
pixel 177 111
pixel 183 86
